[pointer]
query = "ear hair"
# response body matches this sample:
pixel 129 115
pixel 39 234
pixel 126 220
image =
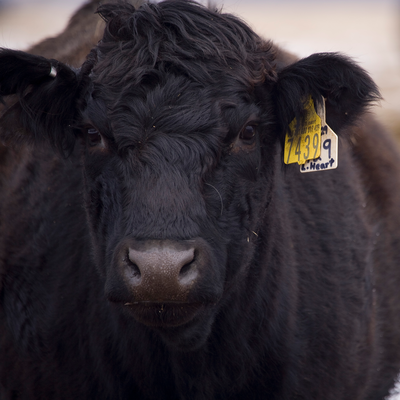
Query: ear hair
pixel 50 96
pixel 15 79
pixel 348 89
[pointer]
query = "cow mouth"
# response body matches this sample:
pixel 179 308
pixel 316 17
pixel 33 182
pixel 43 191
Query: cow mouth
pixel 164 315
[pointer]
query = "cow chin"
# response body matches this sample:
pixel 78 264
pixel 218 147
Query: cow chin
pixel 190 336
pixel 182 327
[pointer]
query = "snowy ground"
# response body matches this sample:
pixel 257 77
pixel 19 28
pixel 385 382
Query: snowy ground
pixel 368 31
pixel 396 392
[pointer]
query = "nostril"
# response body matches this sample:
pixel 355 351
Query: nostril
pixel 188 263
pixel 185 269
pixel 188 273
pixel 135 270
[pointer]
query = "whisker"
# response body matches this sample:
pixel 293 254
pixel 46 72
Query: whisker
pixel 219 194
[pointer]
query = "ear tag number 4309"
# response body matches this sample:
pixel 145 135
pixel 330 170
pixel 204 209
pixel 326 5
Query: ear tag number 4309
pixel 315 148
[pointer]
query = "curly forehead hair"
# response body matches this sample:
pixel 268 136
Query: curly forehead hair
pixel 181 37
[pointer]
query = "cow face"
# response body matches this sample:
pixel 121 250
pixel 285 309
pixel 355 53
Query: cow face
pixel 172 163
pixel 156 171
pixel 181 113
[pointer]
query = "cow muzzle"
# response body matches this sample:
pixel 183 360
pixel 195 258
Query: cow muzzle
pixel 161 271
pixel 161 279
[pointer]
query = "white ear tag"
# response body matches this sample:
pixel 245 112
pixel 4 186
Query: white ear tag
pixel 328 158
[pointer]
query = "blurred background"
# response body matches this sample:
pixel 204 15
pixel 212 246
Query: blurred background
pixel 367 30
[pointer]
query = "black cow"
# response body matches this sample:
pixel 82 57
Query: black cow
pixel 155 246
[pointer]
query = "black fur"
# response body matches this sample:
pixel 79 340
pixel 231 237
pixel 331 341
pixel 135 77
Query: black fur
pixel 296 295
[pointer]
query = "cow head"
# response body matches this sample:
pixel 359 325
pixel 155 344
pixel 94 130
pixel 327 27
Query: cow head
pixel 180 112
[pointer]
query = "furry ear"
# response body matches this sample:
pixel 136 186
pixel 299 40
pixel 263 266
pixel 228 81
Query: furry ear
pixel 43 99
pixel 347 88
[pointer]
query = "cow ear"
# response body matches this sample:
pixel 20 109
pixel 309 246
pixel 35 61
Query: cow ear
pixel 40 99
pixel 347 88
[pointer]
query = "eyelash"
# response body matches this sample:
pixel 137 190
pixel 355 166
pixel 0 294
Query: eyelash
pixel 94 137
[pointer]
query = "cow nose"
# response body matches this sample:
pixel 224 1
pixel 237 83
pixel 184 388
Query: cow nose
pixel 161 271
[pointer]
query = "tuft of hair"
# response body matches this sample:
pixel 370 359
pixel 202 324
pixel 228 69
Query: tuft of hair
pixel 183 37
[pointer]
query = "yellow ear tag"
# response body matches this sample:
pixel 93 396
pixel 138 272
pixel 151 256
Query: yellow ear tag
pixel 328 158
pixel 306 145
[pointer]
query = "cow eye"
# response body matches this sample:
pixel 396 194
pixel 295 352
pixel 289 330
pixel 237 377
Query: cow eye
pixel 248 133
pixel 246 140
pixel 94 137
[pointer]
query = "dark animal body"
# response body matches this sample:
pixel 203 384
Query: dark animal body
pixel 154 246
